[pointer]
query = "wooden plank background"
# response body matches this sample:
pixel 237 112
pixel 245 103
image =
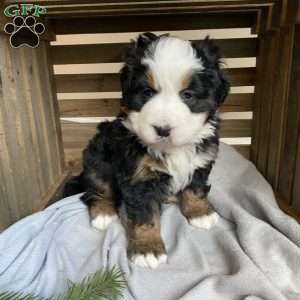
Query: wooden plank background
pixel 75 134
pixel 289 169
pixel 30 155
pixel 154 23
pixel 108 53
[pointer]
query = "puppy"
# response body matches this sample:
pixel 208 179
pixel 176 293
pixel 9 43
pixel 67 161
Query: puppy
pixel 162 146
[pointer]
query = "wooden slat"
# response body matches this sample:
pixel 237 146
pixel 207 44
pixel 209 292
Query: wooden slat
pixel 28 141
pixel 244 150
pixel 241 76
pixel 279 104
pixel 42 114
pixel 7 201
pixel 111 107
pixel 150 23
pixel 238 102
pixel 236 128
pixel 73 83
pixel 150 7
pixel 82 83
pixel 296 186
pixel 77 135
pixel 15 126
pixel 88 7
pixel 112 53
pixel 298 13
pixel 53 95
pixel 289 153
pixel 89 107
pixel 268 60
pixel 257 111
pixel 121 3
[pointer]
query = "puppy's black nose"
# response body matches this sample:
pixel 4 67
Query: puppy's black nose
pixel 162 131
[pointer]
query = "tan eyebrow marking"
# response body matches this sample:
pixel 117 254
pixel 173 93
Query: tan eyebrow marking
pixel 186 81
pixel 150 80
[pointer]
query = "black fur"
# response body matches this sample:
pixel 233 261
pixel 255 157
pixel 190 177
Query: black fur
pixel 112 155
pixel 114 152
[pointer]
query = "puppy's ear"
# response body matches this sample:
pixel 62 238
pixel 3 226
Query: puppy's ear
pixel 133 55
pixel 145 39
pixel 222 89
pixel 210 55
pixel 136 48
pixel 208 51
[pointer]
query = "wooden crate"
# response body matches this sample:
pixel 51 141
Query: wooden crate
pixel 41 138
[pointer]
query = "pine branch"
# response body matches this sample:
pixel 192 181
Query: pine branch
pixel 104 284
pixel 18 296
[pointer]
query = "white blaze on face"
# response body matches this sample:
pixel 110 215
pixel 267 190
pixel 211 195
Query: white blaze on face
pixel 171 63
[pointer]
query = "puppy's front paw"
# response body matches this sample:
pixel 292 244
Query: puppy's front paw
pixel 148 253
pixel 101 222
pixel 205 221
pixel 149 260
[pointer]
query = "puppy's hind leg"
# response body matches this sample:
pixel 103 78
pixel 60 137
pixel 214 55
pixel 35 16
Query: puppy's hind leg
pixel 101 207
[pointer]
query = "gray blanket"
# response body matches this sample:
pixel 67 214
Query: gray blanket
pixel 252 253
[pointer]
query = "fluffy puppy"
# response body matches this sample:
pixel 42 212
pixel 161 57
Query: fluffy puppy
pixel 161 147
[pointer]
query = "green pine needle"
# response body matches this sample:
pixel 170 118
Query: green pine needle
pixel 104 284
pixel 18 296
pixel 107 284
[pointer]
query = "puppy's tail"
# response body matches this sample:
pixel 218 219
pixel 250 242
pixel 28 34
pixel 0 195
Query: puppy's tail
pixel 73 186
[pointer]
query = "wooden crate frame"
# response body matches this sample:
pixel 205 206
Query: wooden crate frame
pixel 33 169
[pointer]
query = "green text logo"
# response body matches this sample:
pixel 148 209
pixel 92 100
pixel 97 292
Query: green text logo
pixel 24 10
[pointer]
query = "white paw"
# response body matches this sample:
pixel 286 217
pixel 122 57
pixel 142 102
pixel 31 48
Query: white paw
pixel 101 222
pixel 206 221
pixel 149 260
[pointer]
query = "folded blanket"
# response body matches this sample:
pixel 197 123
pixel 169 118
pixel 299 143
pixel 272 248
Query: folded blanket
pixel 252 253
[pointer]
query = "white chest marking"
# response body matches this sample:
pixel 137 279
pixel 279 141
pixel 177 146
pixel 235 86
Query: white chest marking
pixel 181 164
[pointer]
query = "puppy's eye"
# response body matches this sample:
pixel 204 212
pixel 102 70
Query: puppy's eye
pixel 148 92
pixel 186 95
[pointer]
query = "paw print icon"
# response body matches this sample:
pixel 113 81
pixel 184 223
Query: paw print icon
pixel 24 32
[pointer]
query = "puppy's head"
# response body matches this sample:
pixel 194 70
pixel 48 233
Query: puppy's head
pixel 170 88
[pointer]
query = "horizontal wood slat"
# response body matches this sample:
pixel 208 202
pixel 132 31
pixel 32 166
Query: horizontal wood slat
pixel 238 102
pixel 89 107
pixel 83 83
pixel 244 150
pixel 112 53
pixel 236 128
pixel 127 3
pixel 111 107
pixel 77 135
pixel 150 23
pixel 104 8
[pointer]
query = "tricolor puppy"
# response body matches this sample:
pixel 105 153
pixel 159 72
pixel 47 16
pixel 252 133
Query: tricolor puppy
pixel 161 147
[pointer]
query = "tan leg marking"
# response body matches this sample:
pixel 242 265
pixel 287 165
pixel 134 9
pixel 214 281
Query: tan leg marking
pixel 104 206
pixel 145 245
pixel 147 168
pixel 102 210
pixel 193 205
pixel 197 210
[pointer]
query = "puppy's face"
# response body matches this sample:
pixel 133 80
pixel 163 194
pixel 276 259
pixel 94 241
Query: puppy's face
pixel 170 88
